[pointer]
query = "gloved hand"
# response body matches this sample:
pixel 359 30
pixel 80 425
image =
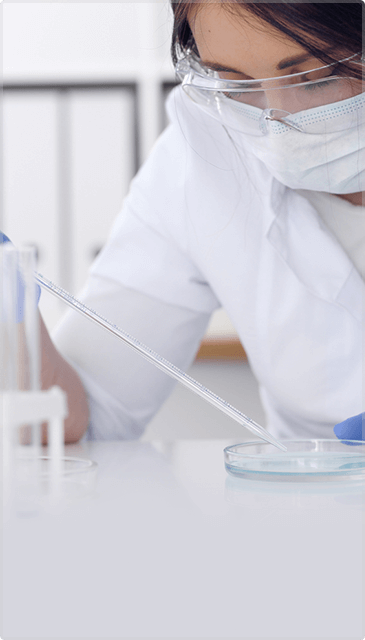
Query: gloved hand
pixel 20 287
pixel 352 428
pixel 3 238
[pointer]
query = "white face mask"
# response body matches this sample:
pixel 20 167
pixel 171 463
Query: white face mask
pixel 332 160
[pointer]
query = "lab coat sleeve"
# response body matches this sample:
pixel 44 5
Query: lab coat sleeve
pixel 145 282
pixel 124 390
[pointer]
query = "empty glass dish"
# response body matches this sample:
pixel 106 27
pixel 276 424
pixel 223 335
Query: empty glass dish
pixel 304 461
pixel 41 483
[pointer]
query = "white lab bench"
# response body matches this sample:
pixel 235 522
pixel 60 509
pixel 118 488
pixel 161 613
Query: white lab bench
pixel 167 545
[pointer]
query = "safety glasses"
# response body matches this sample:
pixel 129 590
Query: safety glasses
pixel 276 98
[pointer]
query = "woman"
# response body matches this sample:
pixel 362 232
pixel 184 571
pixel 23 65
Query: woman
pixel 251 199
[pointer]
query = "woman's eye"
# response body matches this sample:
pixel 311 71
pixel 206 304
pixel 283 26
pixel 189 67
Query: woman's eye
pixel 237 95
pixel 231 95
pixel 317 86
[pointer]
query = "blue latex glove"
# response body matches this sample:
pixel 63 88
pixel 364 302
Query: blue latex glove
pixel 352 428
pixel 20 305
pixel 3 238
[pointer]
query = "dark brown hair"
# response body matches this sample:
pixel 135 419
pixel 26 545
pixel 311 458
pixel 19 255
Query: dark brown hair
pixel 336 25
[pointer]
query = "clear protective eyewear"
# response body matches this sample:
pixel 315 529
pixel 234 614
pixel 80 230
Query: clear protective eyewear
pixel 276 98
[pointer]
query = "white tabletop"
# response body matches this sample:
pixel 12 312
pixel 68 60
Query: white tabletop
pixel 167 545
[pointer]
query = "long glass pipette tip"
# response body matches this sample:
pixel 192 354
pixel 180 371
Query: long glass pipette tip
pixel 160 362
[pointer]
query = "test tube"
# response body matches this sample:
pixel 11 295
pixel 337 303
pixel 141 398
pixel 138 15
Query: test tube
pixel 19 330
pixel 8 342
pixel 31 331
pixel 8 359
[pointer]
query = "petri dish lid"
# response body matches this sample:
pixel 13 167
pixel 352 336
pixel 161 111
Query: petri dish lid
pixel 304 461
pixel 38 480
pixel 43 467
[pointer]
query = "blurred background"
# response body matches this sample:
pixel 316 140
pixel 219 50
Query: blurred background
pixel 84 92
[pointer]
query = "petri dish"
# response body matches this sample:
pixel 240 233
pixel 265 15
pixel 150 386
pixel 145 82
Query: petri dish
pixel 42 466
pixel 304 461
pixel 38 483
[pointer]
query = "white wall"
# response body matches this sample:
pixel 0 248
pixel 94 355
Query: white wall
pixel 66 207
pixel 84 39
pixel 92 41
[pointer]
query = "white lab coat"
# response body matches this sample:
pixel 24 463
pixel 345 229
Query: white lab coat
pixel 206 225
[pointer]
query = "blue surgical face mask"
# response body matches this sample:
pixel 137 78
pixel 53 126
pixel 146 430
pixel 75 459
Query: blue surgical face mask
pixel 329 156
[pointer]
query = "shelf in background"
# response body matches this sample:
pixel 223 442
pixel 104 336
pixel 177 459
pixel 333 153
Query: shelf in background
pixel 221 349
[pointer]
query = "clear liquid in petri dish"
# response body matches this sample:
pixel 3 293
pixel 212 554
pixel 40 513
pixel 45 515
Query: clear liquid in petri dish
pixel 307 459
pixel 307 462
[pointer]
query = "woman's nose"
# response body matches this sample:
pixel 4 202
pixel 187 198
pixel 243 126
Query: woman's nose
pixel 280 99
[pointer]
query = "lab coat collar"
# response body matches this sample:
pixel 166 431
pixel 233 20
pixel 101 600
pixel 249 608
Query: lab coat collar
pixel 307 246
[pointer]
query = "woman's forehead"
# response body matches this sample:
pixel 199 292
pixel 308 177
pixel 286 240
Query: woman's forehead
pixel 220 23
pixel 232 38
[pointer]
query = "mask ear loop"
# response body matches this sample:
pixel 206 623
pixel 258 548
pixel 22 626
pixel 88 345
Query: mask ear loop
pixel 277 115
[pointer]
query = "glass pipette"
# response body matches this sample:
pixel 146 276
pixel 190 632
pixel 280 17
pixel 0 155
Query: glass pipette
pixel 160 362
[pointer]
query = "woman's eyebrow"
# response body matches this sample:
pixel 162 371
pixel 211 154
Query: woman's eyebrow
pixel 215 66
pixel 283 64
pixel 290 62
